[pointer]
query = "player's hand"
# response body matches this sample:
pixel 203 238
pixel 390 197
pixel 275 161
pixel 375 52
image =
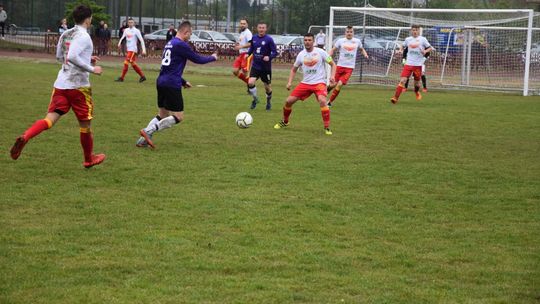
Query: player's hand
pixel 215 55
pixel 237 46
pixel 94 59
pixel 187 85
pixel 266 58
pixel 367 56
pixel 144 53
pixel 289 86
pixel 332 81
pixel 98 70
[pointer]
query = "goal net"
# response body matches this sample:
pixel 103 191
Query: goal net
pixel 481 49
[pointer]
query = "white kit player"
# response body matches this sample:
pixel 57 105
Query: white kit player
pixel 132 35
pixel 417 47
pixel 312 61
pixel 348 47
pixel 241 64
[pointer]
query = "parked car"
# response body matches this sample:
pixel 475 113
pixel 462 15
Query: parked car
pixel 232 36
pixel 162 35
pixel 212 36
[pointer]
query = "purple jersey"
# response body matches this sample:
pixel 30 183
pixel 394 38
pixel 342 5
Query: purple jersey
pixel 260 47
pixel 173 61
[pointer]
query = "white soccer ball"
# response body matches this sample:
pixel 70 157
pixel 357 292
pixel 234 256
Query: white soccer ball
pixel 244 120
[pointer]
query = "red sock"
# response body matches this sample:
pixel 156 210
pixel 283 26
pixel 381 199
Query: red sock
pixel 243 77
pixel 286 113
pixel 87 143
pixel 137 69
pixel 38 127
pixel 399 89
pixel 335 94
pixel 125 69
pixel 325 112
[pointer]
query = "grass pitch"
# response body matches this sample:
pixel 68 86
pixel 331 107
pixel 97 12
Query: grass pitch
pixel 435 201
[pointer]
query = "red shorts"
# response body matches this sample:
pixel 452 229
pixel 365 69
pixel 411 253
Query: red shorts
pixel 241 62
pixel 303 91
pixel 79 99
pixel 416 71
pixel 131 57
pixel 343 74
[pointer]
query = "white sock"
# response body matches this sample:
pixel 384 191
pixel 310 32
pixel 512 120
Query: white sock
pixel 152 124
pixel 253 92
pixel 166 123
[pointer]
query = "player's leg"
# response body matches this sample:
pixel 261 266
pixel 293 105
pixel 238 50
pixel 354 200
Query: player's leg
pixel 405 74
pixel 87 143
pixel 58 106
pixel 171 113
pixel 126 66
pixel 287 110
pixel 141 142
pixel 239 68
pixel 267 80
pixel 252 88
pixel 137 68
pixel 325 112
pixel 335 93
pixel 406 86
pixel 424 80
pixel 416 74
pixel 342 77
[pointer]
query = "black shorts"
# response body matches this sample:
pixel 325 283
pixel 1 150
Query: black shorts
pixel 170 98
pixel 265 76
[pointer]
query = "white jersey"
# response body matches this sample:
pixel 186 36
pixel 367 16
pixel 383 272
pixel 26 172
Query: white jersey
pixel 3 16
pixel 132 35
pixel 415 47
pixel 348 49
pixel 74 50
pixel 245 38
pixel 320 39
pixel 313 65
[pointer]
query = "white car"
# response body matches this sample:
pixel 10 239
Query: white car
pixel 162 35
pixel 212 36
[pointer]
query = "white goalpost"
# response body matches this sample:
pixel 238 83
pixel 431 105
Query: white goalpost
pixel 482 49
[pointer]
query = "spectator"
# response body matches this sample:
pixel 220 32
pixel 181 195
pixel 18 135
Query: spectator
pixel 320 39
pixel 105 39
pixel 63 26
pixel 120 33
pixel 171 32
pixel 3 17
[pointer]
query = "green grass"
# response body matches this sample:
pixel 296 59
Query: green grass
pixel 435 201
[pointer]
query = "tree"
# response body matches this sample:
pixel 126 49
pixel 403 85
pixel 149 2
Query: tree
pixel 98 11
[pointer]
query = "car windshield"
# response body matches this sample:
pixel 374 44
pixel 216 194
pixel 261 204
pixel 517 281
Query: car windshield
pixel 218 35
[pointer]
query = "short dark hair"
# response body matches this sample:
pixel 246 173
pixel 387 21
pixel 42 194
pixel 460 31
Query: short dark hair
pixel 245 19
pixel 262 22
pixel 416 26
pixel 309 35
pixel 130 19
pixel 80 13
pixel 349 27
pixel 183 25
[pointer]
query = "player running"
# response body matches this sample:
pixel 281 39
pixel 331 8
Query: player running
pixel 418 47
pixel 170 83
pixel 347 47
pixel 312 60
pixel 263 49
pixel 72 87
pixel 240 65
pixel 132 36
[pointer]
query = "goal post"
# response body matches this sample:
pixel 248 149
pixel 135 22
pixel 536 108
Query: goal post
pixel 482 49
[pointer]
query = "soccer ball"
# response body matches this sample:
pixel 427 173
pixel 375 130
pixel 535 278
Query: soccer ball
pixel 244 120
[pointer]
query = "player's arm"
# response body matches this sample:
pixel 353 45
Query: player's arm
pixel 185 84
pixel 59 51
pixel 139 36
pixel 75 52
pixel 121 38
pixel 187 52
pixel 250 51
pixel 405 52
pixel 427 50
pixel 364 53
pixel 273 49
pixel 333 69
pixel 291 76
pixel 332 51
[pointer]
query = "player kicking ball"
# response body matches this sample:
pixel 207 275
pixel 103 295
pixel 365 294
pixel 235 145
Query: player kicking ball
pixel 170 83
pixel 418 47
pixel 347 47
pixel 72 87
pixel 312 61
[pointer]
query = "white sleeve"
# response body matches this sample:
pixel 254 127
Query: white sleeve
pixel 59 51
pixel 298 61
pixel 139 36
pixel 337 45
pixel 426 43
pixel 249 36
pixel 77 47
pixel 405 43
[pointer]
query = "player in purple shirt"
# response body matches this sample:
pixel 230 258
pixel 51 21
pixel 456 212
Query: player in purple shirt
pixel 263 49
pixel 170 83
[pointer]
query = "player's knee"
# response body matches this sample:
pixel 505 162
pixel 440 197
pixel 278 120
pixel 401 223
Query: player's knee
pixel 251 85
